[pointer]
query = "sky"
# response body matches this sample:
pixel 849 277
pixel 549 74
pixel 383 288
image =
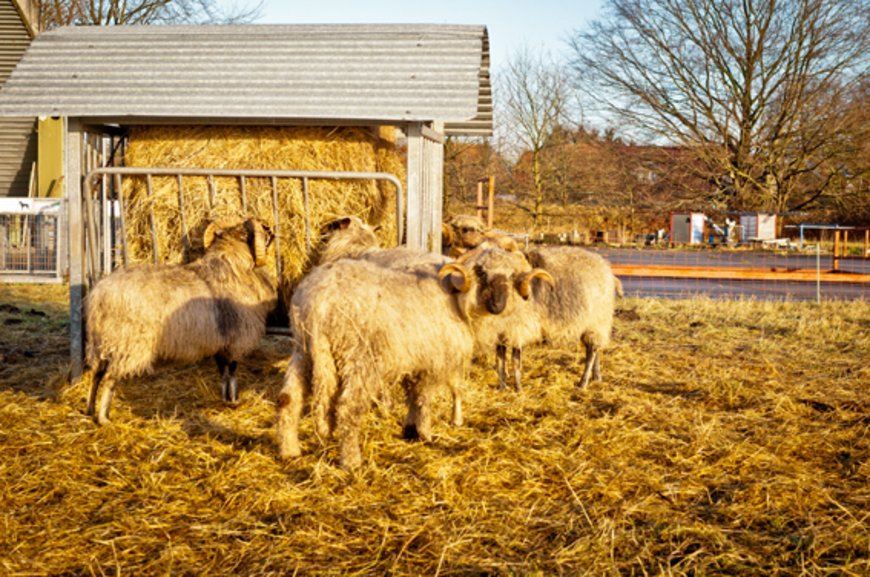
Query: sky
pixel 535 24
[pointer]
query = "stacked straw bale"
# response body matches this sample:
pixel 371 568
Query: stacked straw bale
pixel 361 149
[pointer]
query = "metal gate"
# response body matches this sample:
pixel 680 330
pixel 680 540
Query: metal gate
pixel 104 206
pixel 104 228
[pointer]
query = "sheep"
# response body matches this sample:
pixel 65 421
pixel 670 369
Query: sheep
pixel 351 237
pixel 463 232
pixel 214 306
pixel 577 308
pixel 359 326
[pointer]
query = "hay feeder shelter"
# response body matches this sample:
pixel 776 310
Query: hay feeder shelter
pixel 106 83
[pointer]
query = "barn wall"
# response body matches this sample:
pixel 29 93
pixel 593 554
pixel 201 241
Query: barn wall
pixel 17 135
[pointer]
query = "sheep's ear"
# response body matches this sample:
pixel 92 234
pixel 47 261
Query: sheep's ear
pixel 457 275
pixel 335 225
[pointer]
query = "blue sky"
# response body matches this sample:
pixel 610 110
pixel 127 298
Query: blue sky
pixel 538 25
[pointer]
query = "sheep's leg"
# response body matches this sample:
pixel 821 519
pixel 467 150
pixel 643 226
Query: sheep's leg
pixel 596 371
pixel 425 393
pixel 108 384
pixel 350 408
pixel 409 428
pixel 419 395
pixel 500 361
pixel 456 385
pixel 229 386
pixel 289 404
pixel 96 378
pixel 591 359
pixel 517 361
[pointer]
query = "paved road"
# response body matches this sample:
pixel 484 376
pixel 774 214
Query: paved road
pixel 717 288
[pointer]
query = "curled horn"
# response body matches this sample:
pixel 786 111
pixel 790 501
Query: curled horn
pixel 258 235
pixel 524 283
pixel 447 237
pixel 460 280
pixel 215 229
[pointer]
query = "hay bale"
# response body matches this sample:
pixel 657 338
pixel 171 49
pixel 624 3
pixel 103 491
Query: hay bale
pixel 358 149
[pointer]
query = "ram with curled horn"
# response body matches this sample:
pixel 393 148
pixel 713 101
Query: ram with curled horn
pixel 414 319
pixel 215 306
pixel 575 307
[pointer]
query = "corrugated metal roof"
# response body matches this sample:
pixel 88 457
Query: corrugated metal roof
pixel 280 73
pixel 15 38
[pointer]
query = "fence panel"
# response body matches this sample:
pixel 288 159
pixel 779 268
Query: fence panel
pixel 30 240
pixel 742 272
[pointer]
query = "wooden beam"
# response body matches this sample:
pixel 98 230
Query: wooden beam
pixel 415 166
pixel 735 273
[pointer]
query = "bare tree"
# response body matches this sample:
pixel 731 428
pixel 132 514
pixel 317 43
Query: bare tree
pixel 533 94
pixel 754 88
pixel 54 13
pixel 466 161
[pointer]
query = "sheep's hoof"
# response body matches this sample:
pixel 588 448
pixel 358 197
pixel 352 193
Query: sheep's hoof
pixel 410 433
pixel 288 453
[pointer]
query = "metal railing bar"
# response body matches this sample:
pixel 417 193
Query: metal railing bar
pixel 276 226
pixel 155 250
pixel 211 193
pixel 28 260
pixel 305 213
pixel 185 233
pixel 124 247
pixel 91 259
pixel 105 223
pixel 243 192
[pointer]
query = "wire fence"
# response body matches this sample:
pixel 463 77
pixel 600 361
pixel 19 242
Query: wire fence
pixel 811 274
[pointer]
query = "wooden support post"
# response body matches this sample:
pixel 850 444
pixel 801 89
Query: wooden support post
pixel 479 204
pixel 836 264
pixel 867 243
pixel 76 227
pixel 415 236
pixel 435 158
pixel 490 211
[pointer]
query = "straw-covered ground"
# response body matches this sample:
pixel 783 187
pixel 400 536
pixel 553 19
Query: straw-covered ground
pixel 727 438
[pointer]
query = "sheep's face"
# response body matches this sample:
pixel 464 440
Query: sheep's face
pixel 348 236
pixel 466 231
pixel 491 280
pixel 251 233
pixel 493 289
